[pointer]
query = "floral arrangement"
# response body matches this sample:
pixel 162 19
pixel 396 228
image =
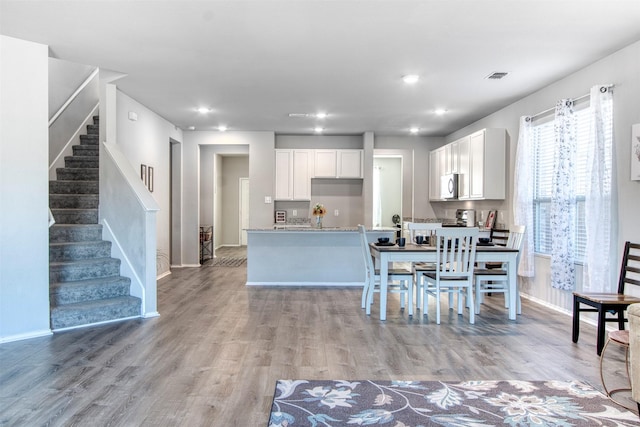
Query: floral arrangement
pixel 319 209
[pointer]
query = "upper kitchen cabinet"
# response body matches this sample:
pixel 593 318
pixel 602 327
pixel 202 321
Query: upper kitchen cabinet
pixel 436 170
pixel 338 164
pixel 293 174
pixel 487 165
pixel 479 160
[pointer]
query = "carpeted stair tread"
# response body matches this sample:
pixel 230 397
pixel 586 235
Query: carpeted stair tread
pixel 73 251
pixel 88 312
pixel 63 271
pixel 89 140
pixel 85 150
pixel 73 187
pixel 93 129
pixel 59 233
pixel 77 174
pixel 81 162
pixel 75 216
pixel 87 290
pixel 73 201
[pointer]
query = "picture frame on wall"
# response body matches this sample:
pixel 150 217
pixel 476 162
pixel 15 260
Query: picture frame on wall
pixel 635 152
pixel 150 179
pixel 143 174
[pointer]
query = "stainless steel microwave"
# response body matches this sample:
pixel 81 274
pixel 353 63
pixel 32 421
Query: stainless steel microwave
pixel 449 186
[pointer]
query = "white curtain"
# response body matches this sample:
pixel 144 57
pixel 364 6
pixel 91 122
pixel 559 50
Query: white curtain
pixel 523 195
pixel 598 198
pixel 563 197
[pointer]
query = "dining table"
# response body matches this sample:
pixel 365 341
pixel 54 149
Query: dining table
pixel 385 254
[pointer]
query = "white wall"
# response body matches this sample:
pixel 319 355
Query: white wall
pixel 147 141
pixel 24 234
pixel 621 69
pixel 261 170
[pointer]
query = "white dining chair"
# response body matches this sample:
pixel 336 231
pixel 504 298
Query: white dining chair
pixel 455 258
pixel 496 280
pixel 419 268
pixel 400 279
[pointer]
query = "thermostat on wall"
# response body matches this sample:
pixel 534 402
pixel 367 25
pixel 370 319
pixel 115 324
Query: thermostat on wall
pixel 281 217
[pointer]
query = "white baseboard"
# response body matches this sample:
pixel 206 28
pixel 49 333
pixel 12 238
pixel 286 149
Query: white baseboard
pixel 150 315
pixel 29 335
pixel 106 322
pixel 165 274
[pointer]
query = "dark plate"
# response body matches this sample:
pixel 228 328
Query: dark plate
pixel 484 244
pixel 385 244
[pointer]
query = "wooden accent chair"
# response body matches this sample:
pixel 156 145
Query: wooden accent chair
pixel 613 303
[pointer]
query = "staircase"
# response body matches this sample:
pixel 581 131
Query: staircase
pixel 85 285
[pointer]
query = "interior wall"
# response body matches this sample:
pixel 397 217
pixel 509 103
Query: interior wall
pixel 24 190
pixel 623 70
pixel 147 140
pixel 261 170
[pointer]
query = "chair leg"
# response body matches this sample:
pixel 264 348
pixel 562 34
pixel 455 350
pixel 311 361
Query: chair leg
pixel 418 291
pixel 601 329
pixel 576 320
pixel 438 303
pixel 364 293
pixel 472 314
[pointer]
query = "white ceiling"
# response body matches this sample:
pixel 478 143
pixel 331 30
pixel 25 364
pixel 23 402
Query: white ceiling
pixel 254 62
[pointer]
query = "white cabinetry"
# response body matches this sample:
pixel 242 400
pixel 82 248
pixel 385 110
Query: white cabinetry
pixel 480 161
pixel 338 164
pixel 435 171
pixel 293 174
pixel 487 164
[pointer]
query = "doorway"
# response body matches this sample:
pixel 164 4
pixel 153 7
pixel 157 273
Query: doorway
pixel 244 210
pixel 387 190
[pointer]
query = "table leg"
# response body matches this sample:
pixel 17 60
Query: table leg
pixel 513 284
pixel 384 283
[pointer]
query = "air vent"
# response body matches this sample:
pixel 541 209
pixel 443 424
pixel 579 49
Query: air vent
pixel 497 75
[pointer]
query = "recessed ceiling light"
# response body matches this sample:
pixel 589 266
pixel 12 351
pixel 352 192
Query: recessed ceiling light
pixel 321 115
pixel 204 110
pixel 318 130
pixel 222 128
pixel 410 78
pixel 440 111
pixel 192 128
pixel 414 130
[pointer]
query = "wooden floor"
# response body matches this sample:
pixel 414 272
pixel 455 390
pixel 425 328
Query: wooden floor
pixel 213 356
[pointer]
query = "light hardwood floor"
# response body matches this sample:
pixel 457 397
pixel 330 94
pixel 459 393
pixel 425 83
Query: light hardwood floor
pixel 213 356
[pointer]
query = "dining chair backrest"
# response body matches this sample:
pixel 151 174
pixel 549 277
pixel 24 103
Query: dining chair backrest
pixel 425 228
pixel 499 236
pixel 366 253
pixel 456 251
pixel 630 269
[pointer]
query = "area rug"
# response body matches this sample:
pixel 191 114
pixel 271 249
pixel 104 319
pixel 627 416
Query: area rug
pixel 226 262
pixel 443 403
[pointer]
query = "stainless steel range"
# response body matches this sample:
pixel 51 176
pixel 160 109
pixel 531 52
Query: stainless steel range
pixel 464 218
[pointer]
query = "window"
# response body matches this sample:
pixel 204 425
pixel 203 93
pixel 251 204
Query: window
pixel 544 140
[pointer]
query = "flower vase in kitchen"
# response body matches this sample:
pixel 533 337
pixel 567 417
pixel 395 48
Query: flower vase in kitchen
pixel 319 211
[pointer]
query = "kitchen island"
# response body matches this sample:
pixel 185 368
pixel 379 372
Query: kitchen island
pixel 300 256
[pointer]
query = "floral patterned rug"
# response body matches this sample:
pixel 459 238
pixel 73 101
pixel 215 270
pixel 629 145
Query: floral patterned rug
pixel 444 403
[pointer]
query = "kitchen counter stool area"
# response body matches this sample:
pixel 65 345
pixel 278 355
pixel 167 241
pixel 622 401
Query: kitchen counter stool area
pixel 308 256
